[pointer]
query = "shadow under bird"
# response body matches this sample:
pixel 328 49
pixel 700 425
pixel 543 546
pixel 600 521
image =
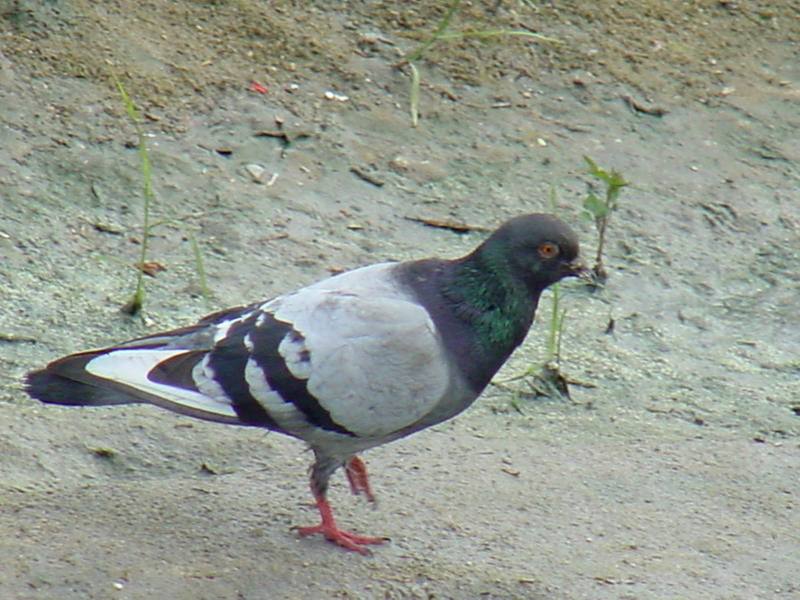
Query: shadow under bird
pixel 351 362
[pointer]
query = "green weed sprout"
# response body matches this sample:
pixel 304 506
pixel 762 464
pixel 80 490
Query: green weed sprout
pixel 135 304
pixel 600 210
pixel 441 34
pixel 544 380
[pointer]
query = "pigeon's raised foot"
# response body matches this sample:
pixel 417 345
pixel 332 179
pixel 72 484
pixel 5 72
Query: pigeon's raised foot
pixel 340 537
pixel 356 472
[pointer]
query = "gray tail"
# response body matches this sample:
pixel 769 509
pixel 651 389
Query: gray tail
pixel 66 381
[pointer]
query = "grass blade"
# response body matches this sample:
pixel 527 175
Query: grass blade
pixel 201 270
pixel 414 95
pixel 135 304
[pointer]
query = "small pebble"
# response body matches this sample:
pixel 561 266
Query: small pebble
pixel 256 172
pixel 334 96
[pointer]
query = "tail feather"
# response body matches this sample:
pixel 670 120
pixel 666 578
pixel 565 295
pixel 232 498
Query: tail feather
pixel 66 381
pixel 124 375
pixel 166 369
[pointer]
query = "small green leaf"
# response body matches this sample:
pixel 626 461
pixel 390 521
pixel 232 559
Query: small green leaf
pixel 612 179
pixel 595 207
pixel 596 171
pixel 553 199
pixel 617 181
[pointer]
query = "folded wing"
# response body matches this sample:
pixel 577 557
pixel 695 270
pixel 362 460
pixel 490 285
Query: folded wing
pixel 320 363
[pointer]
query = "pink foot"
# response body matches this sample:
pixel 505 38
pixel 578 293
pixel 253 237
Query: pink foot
pixel 340 537
pixel 356 472
pixel 328 528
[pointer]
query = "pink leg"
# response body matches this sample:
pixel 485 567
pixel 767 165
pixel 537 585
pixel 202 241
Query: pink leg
pixel 328 528
pixel 356 472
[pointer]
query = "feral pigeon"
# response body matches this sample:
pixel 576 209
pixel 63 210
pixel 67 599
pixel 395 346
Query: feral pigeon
pixel 346 364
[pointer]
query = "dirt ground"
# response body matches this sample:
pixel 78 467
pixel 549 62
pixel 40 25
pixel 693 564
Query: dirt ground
pixel 675 471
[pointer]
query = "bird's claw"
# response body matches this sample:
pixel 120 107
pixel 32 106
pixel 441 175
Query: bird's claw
pixel 342 538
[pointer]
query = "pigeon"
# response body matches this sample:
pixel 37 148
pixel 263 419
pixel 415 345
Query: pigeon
pixel 348 363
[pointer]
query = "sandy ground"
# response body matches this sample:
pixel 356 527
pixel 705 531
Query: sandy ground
pixel 674 471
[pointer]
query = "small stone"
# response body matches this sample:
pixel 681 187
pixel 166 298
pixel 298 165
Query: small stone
pixel 421 171
pixel 334 96
pixel 256 172
pixel 399 164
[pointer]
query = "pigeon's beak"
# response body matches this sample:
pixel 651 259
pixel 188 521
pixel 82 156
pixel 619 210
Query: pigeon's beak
pixel 578 268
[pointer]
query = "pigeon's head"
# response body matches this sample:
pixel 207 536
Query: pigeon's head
pixel 540 248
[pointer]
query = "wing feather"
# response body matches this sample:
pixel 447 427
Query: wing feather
pixel 132 367
pixel 377 364
pixel 354 356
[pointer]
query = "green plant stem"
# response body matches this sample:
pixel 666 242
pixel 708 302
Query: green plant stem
pixel 414 95
pixel 443 24
pixel 601 240
pixel 561 320
pixel 441 34
pixel 553 333
pixel 489 33
pixel 201 270
pixel 137 302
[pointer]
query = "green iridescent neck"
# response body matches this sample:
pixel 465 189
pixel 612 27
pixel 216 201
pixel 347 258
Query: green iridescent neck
pixel 485 292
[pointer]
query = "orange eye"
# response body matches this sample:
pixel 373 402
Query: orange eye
pixel 548 250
